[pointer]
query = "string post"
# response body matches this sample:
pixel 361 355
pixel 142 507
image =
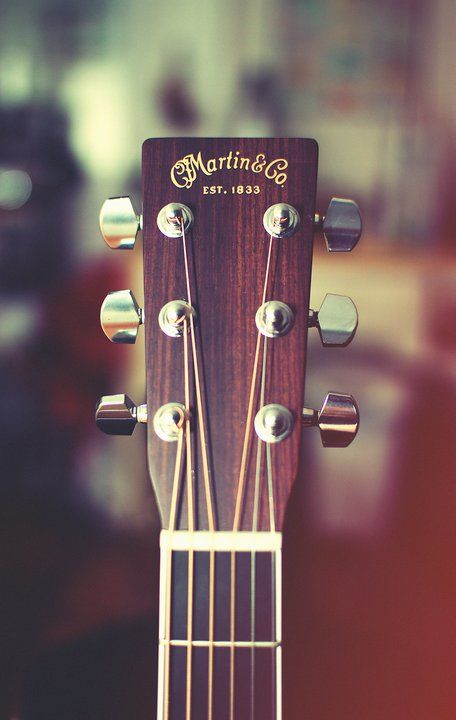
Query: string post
pixel 172 317
pixel 273 423
pixel 281 220
pixel 168 421
pixel 274 318
pixel 174 219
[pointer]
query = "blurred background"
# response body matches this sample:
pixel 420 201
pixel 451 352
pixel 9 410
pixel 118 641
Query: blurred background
pixel 370 592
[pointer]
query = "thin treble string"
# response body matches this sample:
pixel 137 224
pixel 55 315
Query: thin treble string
pixel 175 493
pixel 256 498
pixel 188 440
pixel 241 483
pixel 274 651
pixel 188 712
pixel 207 486
pixel 210 681
pixel 191 526
pixel 177 476
pixel 204 450
pixel 256 502
pixel 232 630
pixel 272 525
pixel 172 526
pixel 272 528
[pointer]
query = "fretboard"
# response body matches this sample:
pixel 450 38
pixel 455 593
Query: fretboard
pixel 220 626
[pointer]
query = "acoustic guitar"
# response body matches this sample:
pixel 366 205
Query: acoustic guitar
pixel 227 227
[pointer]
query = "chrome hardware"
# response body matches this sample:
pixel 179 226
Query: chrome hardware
pixel 121 316
pixel 274 318
pixel 336 321
pixel 281 220
pixel 120 223
pixel 273 423
pixel 338 420
pixel 341 226
pixel 168 420
pixel 170 219
pixel 171 317
pixel 118 415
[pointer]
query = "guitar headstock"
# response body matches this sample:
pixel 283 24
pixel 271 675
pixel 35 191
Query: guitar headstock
pixel 228 228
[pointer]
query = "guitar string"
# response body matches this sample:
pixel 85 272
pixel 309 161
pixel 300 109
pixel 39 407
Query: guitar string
pixel 202 428
pixel 191 524
pixel 272 528
pixel 208 495
pixel 232 630
pixel 272 525
pixel 191 510
pixel 188 712
pixel 256 500
pixel 241 484
pixel 172 524
pixel 210 681
pixel 177 475
pixel 274 651
pixel 210 511
pixel 241 481
pixel 188 440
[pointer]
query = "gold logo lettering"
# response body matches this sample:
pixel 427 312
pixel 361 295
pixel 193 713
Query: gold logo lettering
pixel 185 171
pixel 273 171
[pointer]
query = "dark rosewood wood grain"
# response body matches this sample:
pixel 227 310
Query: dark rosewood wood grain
pixel 227 263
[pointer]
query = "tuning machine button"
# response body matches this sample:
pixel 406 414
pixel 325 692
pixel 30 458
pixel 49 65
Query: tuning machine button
pixel 121 316
pixel 120 223
pixel 338 420
pixel 118 415
pixel 341 226
pixel 336 320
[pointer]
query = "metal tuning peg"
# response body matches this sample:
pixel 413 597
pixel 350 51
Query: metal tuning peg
pixel 338 420
pixel 121 316
pixel 118 415
pixel 336 321
pixel 281 220
pixel 120 223
pixel 341 226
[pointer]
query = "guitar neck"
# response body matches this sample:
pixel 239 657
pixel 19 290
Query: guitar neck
pixel 227 230
pixel 220 626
